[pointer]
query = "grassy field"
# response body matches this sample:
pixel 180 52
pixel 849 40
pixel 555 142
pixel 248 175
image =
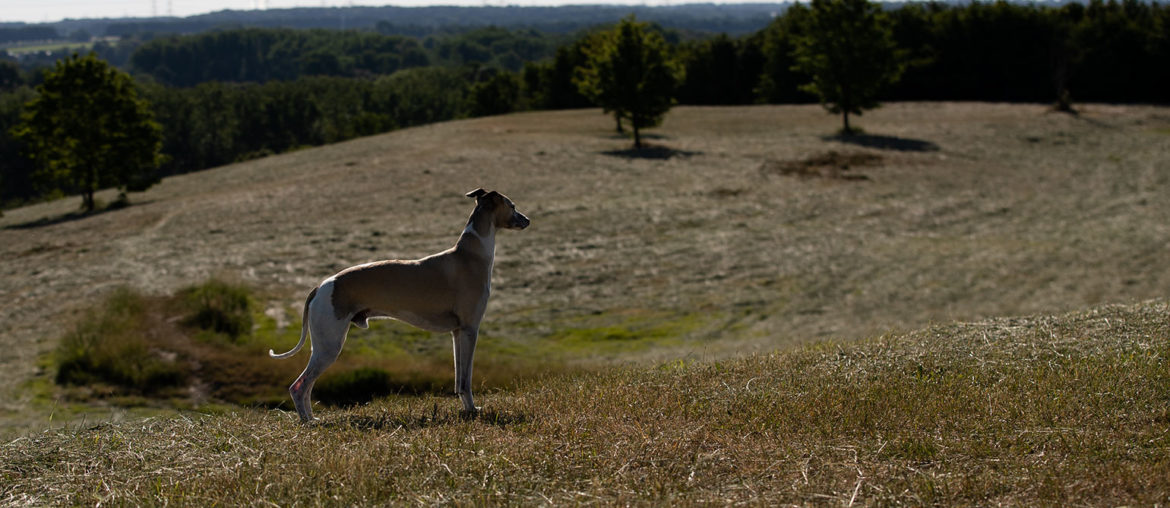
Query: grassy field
pixel 743 231
pixel 1043 410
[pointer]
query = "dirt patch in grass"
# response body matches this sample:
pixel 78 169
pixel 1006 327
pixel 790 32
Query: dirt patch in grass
pixel 832 165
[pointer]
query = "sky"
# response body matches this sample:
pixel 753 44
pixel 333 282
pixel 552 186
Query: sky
pixel 41 11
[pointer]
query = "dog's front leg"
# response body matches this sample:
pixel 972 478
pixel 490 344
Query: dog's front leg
pixel 464 341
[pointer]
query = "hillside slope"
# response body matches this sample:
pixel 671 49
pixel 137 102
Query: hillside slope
pixel 1039 410
pixel 747 229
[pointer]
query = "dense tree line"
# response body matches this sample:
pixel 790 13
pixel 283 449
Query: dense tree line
pixel 736 19
pixel 1104 51
pixel 217 123
pixel 261 55
pixel 27 33
pixel 233 94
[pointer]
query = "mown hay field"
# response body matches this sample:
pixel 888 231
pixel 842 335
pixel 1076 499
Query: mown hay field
pixel 743 230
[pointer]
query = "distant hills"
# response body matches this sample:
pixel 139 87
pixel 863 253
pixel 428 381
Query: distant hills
pixel 734 19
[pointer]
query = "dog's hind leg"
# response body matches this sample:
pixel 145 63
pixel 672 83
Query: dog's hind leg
pixel 328 336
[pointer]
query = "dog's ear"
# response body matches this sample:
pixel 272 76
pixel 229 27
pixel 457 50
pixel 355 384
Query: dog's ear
pixel 475 194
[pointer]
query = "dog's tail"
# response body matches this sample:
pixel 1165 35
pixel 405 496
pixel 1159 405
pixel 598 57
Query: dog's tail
pixel 304 329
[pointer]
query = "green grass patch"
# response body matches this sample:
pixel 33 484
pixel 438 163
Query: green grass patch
pixel 219 307
pixel 208 344
pixel 624 331
pixel 185 350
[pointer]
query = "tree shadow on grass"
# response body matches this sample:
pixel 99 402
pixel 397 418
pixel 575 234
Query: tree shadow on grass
pixel 650 152
pixel 884 142
pixel 630 136
pixel 74 216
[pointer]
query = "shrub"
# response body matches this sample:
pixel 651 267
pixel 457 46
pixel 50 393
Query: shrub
pixel 108 346
pixel 219 307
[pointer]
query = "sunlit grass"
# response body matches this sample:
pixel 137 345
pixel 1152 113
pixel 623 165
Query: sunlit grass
pixel 1039 410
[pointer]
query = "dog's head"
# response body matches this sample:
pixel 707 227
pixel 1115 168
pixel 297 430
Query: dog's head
pixel 502 209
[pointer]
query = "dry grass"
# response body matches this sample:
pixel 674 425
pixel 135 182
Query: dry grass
pixel 1043 410
pixel 973 211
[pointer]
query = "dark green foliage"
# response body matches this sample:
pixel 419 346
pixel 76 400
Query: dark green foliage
pixel 497 95
pixel 27 33
pixel 630 71
pixel 87 129
pixel 997 50
pixel 721 70
pixel 108 347
pixel 131 346
pixel 550 84
pixel 215 123
pixel 425 95
pixel 497 47
pixel 1105 51
pixel 1123 50
pixel 779 79
pixel 219 307
pixel 261 55
pixel 16 185
pixel 849 54
pixel 9 75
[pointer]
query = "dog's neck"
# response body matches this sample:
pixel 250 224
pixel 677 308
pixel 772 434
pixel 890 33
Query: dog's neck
pixel 480 235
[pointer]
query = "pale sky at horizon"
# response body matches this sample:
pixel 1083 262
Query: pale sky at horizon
pixel 47 11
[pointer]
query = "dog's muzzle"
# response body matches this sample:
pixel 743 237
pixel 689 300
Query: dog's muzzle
pixel 519 221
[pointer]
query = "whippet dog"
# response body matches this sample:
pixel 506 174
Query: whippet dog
pixel 444 292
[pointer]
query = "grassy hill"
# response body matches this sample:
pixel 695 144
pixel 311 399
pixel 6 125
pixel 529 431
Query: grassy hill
pixel 745 230
pixel 1069 409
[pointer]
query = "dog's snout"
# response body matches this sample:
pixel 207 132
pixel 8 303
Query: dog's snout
pixel 519 221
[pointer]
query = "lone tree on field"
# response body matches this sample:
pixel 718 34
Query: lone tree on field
pixel 629 71
pixel 87 129
pixel 850 54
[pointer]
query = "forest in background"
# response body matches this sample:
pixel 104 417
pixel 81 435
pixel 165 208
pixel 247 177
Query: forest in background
pixel 736 19
pixel 233 94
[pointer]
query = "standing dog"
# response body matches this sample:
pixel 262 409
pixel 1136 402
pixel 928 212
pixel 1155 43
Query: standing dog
pixel 445 292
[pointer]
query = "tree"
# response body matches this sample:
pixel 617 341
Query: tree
pixel 497 95
pixel 630 72
pixel 780 79
pixel 9 75
pixel 87 129
pixel 850 55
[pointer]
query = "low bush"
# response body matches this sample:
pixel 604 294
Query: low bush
pixel 220 307
pixel 131 346
pixel 109 346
